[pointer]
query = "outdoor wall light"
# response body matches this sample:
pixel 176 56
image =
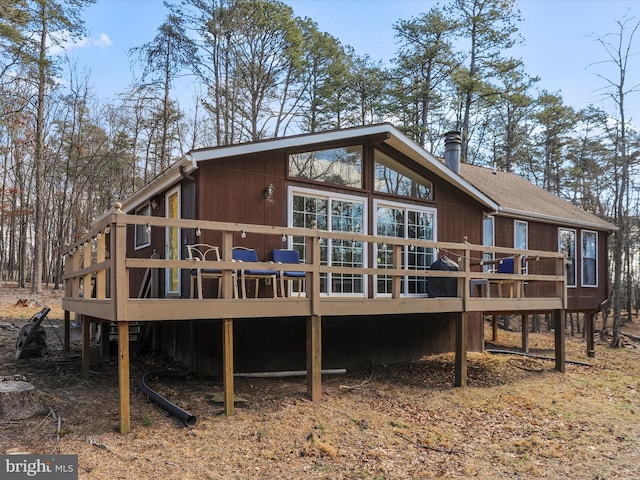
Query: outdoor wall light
pixel 268 192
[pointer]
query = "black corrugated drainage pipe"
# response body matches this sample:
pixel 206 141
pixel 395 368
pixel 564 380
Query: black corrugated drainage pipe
pixel 188 419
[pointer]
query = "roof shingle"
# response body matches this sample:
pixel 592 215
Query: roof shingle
pixel 517 196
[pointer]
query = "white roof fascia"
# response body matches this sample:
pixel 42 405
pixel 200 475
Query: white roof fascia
pixel 288 142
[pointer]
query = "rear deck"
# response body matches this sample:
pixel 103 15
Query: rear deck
pixel 98 286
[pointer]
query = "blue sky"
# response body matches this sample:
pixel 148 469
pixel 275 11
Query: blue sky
pixel 559 35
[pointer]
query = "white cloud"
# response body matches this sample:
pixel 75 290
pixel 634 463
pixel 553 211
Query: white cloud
pixel 101 41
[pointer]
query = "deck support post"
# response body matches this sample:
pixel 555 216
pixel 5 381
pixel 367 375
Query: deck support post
pixel 462 332
pixel 559 336
pixel 123 376
pixel 524 322
pixel 67 332
pixel 227 366
pixel 589 319
pixel 494 328
pixel 314 357
pixel 86 345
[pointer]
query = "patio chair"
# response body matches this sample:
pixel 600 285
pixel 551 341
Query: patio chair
pixel 288 256
pixel 507 265
pixel 243 254
pixel 201 252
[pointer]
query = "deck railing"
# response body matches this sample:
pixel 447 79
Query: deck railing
pixel 98 276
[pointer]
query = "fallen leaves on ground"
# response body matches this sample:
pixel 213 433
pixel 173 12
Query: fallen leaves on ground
pixel 517 418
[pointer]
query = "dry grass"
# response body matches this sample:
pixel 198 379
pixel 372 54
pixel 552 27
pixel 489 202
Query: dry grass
pixel 518 418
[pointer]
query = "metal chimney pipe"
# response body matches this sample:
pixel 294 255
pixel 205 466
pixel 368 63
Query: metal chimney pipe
pixel 452 147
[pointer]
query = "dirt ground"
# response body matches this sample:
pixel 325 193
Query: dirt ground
pixel 517 418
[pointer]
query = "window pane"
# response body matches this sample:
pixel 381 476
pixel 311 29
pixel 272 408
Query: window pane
pixel 389 223
pixel 306 211
pixel 521 240
pixel 347 216
pixel 393 177
pixel 589 259
pixel 568 247
pixel 488 239
pixel 333 215
pixel 340 166
pixel 420 226
pixel 142 233
pixel 409 223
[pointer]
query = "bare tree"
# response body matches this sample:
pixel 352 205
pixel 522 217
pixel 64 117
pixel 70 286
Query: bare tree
pixel 617 47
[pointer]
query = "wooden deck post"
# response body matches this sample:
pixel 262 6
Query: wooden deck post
pixel 494 328
pixel 86 345
pixel 227 366
pixel 524 322
pixel 314 357
pixel 462 329
pixel 123 376
pixel 559 335
pixel 588 323
pixel 67 332
pixel 396 283
pixel 119 289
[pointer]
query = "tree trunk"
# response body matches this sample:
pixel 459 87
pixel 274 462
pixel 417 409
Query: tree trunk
pixel 38 259
pixel 17 400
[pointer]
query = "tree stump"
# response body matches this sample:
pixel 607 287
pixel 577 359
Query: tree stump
pixel 17 400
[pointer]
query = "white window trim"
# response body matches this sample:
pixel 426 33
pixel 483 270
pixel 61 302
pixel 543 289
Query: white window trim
pixel 405 206
pixel 135 240
pixel 582 257
pixel 294 190
pixel 575 249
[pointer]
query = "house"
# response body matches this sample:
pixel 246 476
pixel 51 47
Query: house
pixel 369 211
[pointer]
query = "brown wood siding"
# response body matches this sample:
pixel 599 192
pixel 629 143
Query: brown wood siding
pixel 279 344
pixel 544 236
pixel 156 245
pixel 458 215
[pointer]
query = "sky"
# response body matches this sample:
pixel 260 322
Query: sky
pixel 560 40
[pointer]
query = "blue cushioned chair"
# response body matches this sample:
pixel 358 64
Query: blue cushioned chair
pixel 507 265
pixel 288 256
pixel 242 254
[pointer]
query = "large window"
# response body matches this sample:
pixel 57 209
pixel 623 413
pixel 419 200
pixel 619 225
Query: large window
pixel 142 232
pixel 589 259
pixel 567 245
pixel 340 166
pixel 410 222
pixel 393 177
pixel 337 213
